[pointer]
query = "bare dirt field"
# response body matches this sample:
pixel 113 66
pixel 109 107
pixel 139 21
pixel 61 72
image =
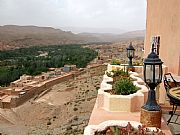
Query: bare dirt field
pixel 65 110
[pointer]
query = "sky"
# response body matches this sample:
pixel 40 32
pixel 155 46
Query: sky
pixel 124 15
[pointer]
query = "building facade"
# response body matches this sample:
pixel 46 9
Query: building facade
pixel 163 19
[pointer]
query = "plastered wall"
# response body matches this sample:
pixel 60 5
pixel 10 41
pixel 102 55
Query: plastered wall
pixel 163 19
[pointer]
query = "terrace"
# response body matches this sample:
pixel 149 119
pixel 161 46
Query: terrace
pixel 101 113
pixel 159 29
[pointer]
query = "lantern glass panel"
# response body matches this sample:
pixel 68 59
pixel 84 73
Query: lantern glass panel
pixel 158 75
pixel 149 73
pixel 130 53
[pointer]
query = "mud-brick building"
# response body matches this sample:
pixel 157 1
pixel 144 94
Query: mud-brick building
pixel 163 19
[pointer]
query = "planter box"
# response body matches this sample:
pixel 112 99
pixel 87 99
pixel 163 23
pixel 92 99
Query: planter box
pixel 91 129
pixel 122 103
pixel 114 67
pixel 138 69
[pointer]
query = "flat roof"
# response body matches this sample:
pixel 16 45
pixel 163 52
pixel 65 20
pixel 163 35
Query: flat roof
pixel 4 96
pixel 7 99
pixel 19 88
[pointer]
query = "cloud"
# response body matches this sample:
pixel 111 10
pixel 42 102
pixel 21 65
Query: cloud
pixel 124 14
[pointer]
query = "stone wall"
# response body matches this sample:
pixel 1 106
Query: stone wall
pixel 35 90
pixel 32 91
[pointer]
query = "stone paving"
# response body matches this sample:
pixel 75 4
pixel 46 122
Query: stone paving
pixel 175 128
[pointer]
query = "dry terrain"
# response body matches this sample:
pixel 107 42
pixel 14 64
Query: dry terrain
pixel 65 110
pixel 14 36
pixel 107 52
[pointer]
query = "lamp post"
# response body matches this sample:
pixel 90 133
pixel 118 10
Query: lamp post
pixel 151 111
pixel 130 55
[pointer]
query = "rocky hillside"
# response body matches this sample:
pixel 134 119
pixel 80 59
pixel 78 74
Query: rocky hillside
pixel 64 110
pixel 12 36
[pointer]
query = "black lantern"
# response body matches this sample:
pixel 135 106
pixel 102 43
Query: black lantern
pixel 130 54
pixel 152 77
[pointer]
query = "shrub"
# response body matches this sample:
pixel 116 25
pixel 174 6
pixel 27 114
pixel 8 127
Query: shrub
pixel 109 74
pixel 124 87
pixel 75 109
pixel 137 63
pixel 120 73
pixel 49 122
pixel 115 62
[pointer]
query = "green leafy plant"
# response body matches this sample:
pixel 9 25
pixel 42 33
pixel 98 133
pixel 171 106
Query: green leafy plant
pixel 124 87
pixel 16 62
pixel 137 63
pixel 109 74
pixel 115 62
pixel 120 73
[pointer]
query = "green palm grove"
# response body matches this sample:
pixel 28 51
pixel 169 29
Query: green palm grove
pixel 37 59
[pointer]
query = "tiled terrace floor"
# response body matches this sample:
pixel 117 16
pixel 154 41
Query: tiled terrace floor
pixel 175 129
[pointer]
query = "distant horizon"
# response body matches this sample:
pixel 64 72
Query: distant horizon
pixel 79 30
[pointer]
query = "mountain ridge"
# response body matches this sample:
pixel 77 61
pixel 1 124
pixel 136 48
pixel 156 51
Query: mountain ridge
pixel 110 37
pixel 14 36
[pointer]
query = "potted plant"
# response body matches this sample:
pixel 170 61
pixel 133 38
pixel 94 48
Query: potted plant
pixel 119 74
pixel 115 62
pixel 126 93
pixel 109 74
pixel 124 87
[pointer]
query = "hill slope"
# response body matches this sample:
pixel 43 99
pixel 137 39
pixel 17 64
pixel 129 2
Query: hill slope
pixel 108 37
pixel 12 36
